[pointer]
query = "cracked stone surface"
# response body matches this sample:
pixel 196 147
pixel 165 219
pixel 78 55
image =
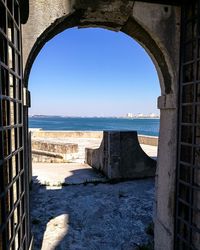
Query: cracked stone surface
pixel 93 216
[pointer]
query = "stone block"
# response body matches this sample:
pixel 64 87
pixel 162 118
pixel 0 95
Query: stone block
pixel 121 157
pixel 53 152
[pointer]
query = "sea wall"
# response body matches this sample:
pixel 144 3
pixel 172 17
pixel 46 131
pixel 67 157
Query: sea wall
pixel 39 133
pixel 65 134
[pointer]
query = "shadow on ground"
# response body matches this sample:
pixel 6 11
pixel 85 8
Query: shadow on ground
pixel 91 216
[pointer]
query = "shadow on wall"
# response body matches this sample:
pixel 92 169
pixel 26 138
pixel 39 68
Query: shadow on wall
pixel 91 216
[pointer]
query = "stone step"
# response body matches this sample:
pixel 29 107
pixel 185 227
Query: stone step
pixel 46 157
pixel 47 153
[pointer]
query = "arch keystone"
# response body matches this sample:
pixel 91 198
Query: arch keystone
pixel 108 13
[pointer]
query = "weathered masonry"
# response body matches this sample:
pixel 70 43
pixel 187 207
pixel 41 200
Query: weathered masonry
pixel 170 33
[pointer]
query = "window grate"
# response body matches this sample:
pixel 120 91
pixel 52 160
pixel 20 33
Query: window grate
pixel 187 231
pixel 13 190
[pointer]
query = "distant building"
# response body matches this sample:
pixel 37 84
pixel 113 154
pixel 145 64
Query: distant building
pixel 152 115
pixel 129 115
pixel 141 115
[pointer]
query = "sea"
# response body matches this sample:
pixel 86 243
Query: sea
pixel 142 126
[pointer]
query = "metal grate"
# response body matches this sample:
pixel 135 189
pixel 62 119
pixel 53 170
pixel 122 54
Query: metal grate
pixel 188 174
pixel 13 216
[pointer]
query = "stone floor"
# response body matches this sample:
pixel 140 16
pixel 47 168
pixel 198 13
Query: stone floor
pixel 88 212
pixel 92 216
pixel 56 174
pixel 151 151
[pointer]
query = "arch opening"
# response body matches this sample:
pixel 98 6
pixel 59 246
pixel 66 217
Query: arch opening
pixel 166 72
pixel 131 28
pixel 62 216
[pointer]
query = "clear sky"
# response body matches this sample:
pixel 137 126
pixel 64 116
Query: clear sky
pixel 93 72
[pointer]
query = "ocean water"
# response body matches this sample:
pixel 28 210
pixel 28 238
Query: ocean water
pixel 142 126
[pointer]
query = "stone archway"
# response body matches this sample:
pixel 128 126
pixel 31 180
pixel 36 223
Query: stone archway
pixel 156 28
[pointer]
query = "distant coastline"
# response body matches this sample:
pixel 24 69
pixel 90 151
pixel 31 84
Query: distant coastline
pixel 95 117
pixel 145 126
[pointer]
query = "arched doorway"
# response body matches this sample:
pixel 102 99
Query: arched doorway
pixel 82 41
pixel 144 24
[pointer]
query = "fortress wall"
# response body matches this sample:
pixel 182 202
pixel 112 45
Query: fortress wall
pixel 36 133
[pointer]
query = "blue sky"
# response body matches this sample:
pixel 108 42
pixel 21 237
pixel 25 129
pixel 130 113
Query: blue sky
pixel 93 72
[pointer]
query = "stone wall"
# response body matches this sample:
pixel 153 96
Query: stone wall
pixel 157 28
pixel 45 144
pixel 65 134
pixel 148 140
pixel 39 133
pixel 53 152
pixel 121 157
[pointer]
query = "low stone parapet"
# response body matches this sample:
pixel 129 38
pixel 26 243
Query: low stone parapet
pixel 39 133
pixel 121 157
pixel 65 134
pixel 53 152
pixel 148 140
